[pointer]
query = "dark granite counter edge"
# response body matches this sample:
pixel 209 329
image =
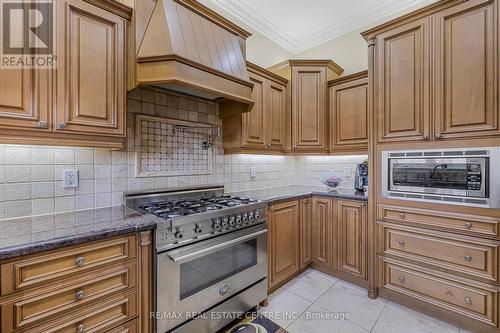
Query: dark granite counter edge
pixel 35 247
pixel 347 196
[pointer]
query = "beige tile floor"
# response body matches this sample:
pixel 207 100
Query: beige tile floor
pixel 315 302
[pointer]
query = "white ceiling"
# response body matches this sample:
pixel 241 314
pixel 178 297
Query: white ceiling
pixel 299 25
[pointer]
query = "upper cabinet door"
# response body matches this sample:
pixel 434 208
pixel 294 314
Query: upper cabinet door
pixel 91 73
pixel 276 116
pixel 253 121
pixel 349 115
pixel 403 82
pixel 466 70
pixel 25 99
pixel 309 105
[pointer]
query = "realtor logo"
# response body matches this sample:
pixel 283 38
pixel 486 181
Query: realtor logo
pixel 27 34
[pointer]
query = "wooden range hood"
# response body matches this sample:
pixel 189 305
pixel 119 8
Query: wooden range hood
pixel 188 48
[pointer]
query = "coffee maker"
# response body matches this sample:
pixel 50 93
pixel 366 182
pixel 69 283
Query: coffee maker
pixel 361 177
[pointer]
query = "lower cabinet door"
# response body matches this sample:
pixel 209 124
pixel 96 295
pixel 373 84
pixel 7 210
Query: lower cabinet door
pixel 283 242
pixel 351 225
pixel 322 232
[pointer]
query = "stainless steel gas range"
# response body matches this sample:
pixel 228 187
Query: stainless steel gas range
pixel 211 256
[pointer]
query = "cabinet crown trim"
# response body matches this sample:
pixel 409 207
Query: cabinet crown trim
pixel 255 69
pixel 348 78
pixel 368 35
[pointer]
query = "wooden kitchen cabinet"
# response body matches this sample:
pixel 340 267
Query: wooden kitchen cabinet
pixel 91 76
pixel 264 128
pixel 349 113
pixel 100 286
pixel 322 233
pixel 460 42
pixel 309 115
pixel 284 242
pixel 306 241
pixel 25 99
pixel 80 102
pixel 465 74
pixel 351 237
pixel 402 82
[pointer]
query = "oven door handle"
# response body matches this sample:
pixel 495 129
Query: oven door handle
pixel 185 256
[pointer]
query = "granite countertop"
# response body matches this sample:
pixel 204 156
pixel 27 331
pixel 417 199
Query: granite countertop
pixel 274 194
pixel 22 236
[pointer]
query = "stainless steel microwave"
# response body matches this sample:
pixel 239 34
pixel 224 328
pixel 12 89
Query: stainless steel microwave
pixel 468 176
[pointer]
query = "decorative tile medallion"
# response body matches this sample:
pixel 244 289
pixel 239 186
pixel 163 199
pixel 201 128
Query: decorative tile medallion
pixel 168 147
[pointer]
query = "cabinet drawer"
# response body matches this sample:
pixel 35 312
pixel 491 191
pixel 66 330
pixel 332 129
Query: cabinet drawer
pixel 466 298
pixel 45 268
pixel 59 298
pixel 467 224
pixel 466 255
pixel 99 317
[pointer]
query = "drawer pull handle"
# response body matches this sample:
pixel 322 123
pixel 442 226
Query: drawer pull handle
pixel 402 215
pixel 80 294
pixel 402 278
pixel 80 328
pixel 80 261
pixel 468 225
pixel 467 300
pixel 401 243
pixel 468 258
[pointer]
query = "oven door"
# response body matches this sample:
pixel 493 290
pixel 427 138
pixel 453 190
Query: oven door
pixel 465 177
pixel 195 277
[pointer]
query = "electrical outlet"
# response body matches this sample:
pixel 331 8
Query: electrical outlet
pixel 70 178
pixel 347 172
pixel 253 172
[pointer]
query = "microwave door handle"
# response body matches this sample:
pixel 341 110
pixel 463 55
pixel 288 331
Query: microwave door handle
pixel 180 258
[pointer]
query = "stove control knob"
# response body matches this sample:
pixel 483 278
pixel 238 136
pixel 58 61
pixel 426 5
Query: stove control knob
pixel 225 221
pixel 250 217
pixel 216 224
pixel 245 217
pixel 178 233
pixel 197 229
pixel 238 219
pixel 256 214
pixel 232 221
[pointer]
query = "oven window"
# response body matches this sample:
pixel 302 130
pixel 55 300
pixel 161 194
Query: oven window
pixel 433 175
pixel 206 271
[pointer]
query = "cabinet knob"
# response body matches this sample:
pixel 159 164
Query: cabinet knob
pixel 402 279
pixel 80 261
pixel 268 145
pixel 80 328
pixel 61 125
pixel 295 147
pixel 468 225
pixel 468 258
pixel 42 124
pixel 402 215
pixel 467 300
pixel 401 243
pixel 80 294
pixel 438 135
pixel 426 136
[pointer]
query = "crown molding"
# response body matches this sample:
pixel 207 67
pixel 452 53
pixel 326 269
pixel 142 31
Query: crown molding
pixel 296 46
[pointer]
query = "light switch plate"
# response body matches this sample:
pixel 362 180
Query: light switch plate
pixel 70 178
pixel 347 172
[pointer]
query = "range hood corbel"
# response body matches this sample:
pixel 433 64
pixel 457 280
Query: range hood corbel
pixel 189 48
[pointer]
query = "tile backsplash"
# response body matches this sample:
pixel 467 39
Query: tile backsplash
pixel 31 176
